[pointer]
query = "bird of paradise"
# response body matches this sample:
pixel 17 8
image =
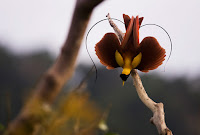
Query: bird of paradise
pixel 130 54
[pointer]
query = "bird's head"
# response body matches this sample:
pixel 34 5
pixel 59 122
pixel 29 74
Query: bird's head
pixel 127 63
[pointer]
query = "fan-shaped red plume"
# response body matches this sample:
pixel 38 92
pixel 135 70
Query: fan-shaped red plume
pixel 106 48
pixel 153 54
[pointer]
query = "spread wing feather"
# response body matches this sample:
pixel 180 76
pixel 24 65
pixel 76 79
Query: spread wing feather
pixel 106 48
pixel 153 54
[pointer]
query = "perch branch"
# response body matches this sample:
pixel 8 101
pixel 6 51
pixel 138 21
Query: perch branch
pixel 54 79
pixel 119 33
pixel 157 109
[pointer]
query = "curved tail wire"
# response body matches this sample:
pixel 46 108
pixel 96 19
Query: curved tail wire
pixel 87 39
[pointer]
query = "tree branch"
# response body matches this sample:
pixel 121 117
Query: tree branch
pixel 54 79
pixel 119 33
pixel 63 68
pixel 157 109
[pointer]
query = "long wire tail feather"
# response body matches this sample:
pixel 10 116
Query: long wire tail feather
pixel 87 39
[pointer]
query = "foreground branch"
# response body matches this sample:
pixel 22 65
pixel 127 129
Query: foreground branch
pixel 157 109
pixel 54 79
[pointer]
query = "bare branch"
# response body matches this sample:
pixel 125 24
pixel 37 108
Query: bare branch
pixel 119 33
pixel 63 68
pixel 157 109
pixel 61 71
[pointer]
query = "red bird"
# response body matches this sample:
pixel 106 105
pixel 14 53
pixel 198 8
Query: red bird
pixel 130 54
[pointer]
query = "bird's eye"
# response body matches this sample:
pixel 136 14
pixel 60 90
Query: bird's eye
pixel 136 61
pixel 119 59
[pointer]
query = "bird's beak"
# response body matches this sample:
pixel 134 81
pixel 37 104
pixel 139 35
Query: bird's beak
pixel 124 78
pixel 123 83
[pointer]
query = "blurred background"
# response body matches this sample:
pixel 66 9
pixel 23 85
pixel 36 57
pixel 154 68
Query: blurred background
pixel 32 33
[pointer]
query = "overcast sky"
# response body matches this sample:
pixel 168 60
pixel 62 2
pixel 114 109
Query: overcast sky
pixel 28 25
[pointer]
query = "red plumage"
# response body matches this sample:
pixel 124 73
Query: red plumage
pixel 153 54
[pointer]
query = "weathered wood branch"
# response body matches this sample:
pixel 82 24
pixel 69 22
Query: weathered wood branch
pixel 58 74
pixel 119 33
pixel 157 109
